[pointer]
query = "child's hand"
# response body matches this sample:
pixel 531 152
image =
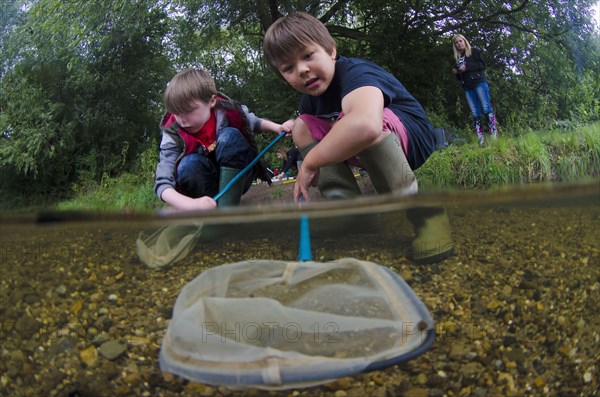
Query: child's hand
pixel 189 204
pixel 205 203
pixel 181 202
pixel 304 180
pixel 288 126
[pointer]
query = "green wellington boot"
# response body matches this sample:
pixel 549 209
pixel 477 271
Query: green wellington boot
pixel 388 167
pixel 232 196
pixel 433 242
pixel 335 181
pixel 389 171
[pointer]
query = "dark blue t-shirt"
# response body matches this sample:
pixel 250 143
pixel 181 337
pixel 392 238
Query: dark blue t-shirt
pixel 353 73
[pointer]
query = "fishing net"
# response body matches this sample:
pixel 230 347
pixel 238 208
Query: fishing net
pixel 277 324
pixel 168 244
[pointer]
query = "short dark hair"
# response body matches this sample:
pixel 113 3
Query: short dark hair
pixel 186 87
pixel 290 34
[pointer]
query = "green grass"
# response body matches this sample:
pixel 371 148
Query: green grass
pixel 276 192
pixel 128 191
pixel 532 157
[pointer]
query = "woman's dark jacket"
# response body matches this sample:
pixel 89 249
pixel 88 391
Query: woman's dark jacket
pixel 475 72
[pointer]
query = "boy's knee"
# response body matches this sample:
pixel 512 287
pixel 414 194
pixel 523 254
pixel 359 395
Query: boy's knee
pixel 196 176
pixel 301 134
pixel 229 135
pixel 193 164
pixel 233 150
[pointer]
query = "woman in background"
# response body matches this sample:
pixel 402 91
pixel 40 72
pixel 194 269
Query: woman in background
pixel 469 68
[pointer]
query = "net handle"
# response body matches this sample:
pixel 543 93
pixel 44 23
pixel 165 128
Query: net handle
pixel 249 166
pixel 304 252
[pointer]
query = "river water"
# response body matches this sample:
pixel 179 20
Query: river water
pixel 515 310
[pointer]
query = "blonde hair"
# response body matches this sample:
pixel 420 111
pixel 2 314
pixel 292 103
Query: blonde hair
pixel 187 87
pixel 291 34
pixel 457 54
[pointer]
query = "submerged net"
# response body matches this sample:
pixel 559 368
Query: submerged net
pixel 277 324
pixel 168 244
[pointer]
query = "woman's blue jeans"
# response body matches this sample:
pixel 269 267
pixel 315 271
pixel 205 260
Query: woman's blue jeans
pixel 479 99
pixel 198 175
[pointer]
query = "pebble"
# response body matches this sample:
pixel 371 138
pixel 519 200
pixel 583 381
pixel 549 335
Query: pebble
pixel 515 354
pixel 341 384
pixel 89 356
pixel 101 338
pixel 133 379
pixel 96 297
pixel 471 369
pixel 416 392
pixel 112 350
pixel 61 290
pixel 508 379
pixel 493 304
pixel 457 350
pixel 539 382
pixel 77 306
pixel 506 291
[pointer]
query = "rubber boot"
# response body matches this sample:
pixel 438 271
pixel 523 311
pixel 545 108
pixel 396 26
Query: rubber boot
pixel 388 167
pixel 479 130
pixel 493 125
pixel 433 242
pixel 232 196
pixel 335 181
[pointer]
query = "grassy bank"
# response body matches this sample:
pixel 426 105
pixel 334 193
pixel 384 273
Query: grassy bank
pixel 532 157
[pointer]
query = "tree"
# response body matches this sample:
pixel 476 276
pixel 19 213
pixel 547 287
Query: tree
pixel 82 89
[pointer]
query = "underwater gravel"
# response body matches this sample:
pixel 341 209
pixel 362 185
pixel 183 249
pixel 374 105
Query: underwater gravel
pixel 516 310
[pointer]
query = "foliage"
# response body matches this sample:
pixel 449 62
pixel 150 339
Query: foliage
pixel 81 81
pixel 78 103
pixel 126 192
pixel 130 190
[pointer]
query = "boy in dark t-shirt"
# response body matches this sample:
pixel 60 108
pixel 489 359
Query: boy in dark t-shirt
pixel 353 112
pixel 351 74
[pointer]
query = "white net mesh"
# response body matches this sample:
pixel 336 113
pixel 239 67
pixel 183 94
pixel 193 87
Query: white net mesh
pixel 276 324
pixel 168 244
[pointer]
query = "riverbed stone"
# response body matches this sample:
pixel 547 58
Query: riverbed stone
pixel 112 350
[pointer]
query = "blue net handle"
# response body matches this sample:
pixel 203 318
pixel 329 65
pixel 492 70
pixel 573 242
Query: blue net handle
pixel 249 166
pixel 304 252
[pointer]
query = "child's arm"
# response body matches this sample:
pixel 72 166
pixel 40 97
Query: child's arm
pixel 258 124
pixel 181 202
pixel 268 125
pixel 359 129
